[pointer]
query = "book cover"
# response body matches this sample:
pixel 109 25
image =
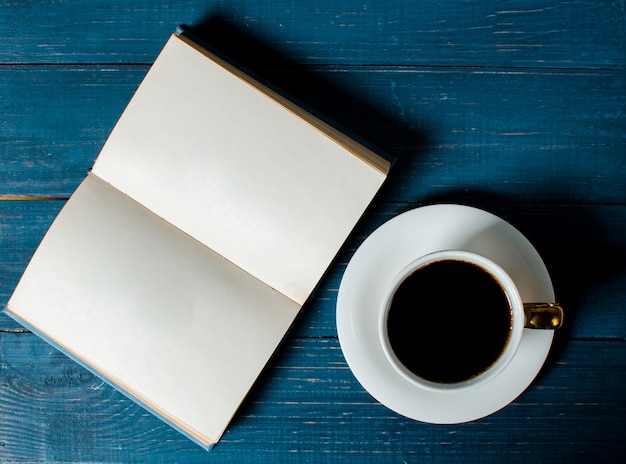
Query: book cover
pixel 210 215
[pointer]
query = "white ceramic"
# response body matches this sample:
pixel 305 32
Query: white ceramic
pixel 370 275
pixel 516 310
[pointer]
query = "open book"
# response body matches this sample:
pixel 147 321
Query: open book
pixel 210 215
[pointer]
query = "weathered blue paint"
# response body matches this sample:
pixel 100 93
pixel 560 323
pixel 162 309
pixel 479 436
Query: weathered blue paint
pixel 518 107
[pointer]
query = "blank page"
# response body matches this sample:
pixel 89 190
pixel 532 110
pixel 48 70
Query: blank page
pixel 238 170
pixel 162 317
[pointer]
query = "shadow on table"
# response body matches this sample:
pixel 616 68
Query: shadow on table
pixel 577 248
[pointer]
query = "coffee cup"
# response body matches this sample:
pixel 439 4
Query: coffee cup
pixel 453 320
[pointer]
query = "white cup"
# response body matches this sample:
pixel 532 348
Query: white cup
pixel 521 315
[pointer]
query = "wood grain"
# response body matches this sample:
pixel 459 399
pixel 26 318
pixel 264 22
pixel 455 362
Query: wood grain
pixel 515 106
pixel 523 134
pixel 593 300
pixel 535 33
pixel 54 401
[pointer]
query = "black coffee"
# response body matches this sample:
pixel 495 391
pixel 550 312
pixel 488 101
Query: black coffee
pixel 449 321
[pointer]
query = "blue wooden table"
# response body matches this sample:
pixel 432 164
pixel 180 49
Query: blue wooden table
pixel 517 107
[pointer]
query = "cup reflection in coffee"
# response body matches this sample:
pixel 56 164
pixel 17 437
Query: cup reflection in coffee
pixel 454 320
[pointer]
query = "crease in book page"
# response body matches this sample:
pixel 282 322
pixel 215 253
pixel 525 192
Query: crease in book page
pixel 161 316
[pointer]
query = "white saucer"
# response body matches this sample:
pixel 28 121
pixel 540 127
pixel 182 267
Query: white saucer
pixel 387 251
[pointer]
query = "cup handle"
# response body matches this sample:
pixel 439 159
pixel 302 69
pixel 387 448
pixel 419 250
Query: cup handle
pixel 543 315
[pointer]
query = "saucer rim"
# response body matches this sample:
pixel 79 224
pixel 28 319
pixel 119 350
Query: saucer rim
pixel 376 374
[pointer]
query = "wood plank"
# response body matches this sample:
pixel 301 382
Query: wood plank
pixel 536 33
pixel 55 122
pixel 516 106
pixel 583 246
pixel 525 134
pixel 53 410
pixel 572 239
pixel 529 135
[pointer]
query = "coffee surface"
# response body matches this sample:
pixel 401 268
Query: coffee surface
pixel 449 321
